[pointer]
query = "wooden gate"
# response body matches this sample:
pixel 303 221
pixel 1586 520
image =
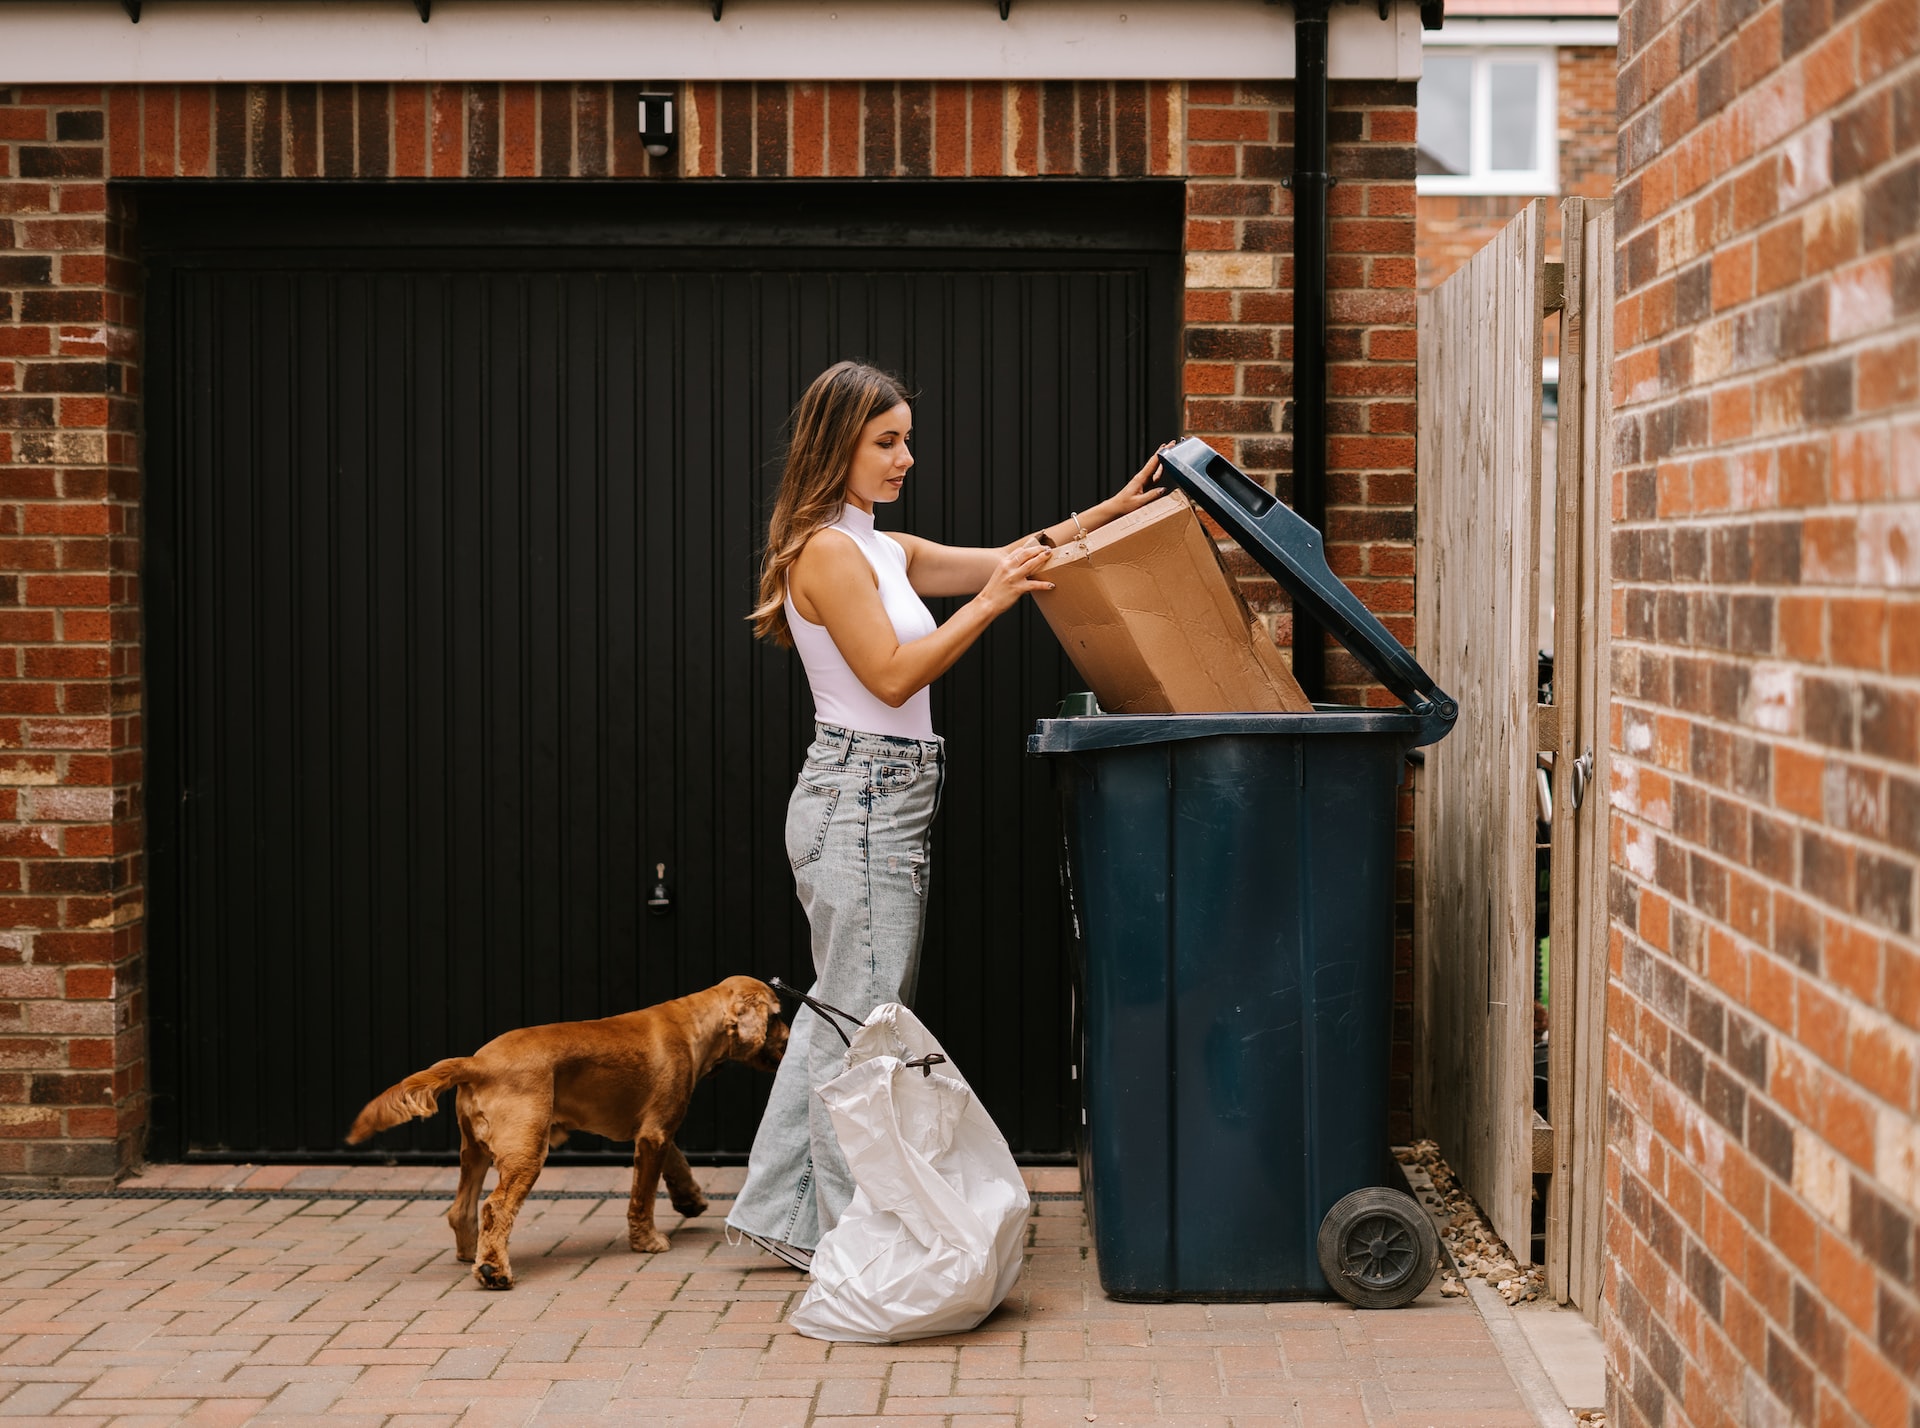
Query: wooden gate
pixel 1476 824
pixel 1577 733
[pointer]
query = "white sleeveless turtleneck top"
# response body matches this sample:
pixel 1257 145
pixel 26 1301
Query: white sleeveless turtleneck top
pixel 839 698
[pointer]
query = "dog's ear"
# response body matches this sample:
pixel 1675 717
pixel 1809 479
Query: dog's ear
pixel 750 1021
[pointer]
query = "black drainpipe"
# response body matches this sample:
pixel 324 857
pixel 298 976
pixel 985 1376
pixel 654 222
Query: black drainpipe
pixel 1309 183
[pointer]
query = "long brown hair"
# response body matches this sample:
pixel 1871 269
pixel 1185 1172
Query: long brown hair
pixel 825 428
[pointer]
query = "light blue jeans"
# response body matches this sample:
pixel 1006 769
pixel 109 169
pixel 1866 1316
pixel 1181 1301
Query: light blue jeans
pixel 859 830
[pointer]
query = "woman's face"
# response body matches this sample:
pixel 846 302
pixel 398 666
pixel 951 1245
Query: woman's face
pixel 881 459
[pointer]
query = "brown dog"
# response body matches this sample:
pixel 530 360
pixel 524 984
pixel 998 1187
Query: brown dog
pixel 625 1077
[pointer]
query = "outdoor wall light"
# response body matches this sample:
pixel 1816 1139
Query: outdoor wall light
pixel 656 123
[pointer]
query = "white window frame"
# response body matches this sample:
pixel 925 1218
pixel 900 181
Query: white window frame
pixel 1482 178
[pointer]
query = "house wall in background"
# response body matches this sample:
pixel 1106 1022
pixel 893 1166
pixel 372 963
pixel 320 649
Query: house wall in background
pixel 73 1063
pixel 1455 227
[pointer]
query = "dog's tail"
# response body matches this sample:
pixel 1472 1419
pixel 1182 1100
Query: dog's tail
pixel 418 1095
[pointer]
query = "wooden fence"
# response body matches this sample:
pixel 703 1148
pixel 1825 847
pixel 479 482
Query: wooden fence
pixel 1481 549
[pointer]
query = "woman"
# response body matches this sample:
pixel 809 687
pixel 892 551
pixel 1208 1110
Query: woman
pixel 848 599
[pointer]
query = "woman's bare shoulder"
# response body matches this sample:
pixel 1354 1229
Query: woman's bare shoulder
pixel 831 554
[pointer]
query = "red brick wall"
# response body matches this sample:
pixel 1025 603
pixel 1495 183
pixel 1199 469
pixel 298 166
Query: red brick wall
pixel 72 1082
pixel 1454 228
pixel 1588 121
pixel 1763 1179
pixel 1240 343
pixel 947 129
pixel 1239 348
pixel 72 1019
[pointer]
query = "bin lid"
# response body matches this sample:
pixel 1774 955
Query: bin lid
pixel 1085 733
pixel 1294 554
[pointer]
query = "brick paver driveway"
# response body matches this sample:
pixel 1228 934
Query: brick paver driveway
pixel 335 1294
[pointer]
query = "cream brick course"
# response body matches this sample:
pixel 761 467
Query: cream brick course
pixel 1230 270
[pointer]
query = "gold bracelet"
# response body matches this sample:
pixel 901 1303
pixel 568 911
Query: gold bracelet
pixel 1076 524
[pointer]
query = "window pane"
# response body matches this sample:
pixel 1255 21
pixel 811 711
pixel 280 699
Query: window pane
pixel 1515 95
pixel 1446 115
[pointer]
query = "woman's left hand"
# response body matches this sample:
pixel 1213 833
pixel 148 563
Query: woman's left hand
pixel 1144 487
pixel 942 570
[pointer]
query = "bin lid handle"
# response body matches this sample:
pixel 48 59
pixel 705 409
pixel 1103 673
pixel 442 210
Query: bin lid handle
pixel 1294 554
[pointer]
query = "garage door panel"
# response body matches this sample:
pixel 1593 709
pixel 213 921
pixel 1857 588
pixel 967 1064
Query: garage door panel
pixel 448 569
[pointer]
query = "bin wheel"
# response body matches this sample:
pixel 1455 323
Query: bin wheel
pixel 1378 1249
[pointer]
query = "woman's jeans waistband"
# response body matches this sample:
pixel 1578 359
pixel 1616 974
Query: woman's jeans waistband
pixel 847 744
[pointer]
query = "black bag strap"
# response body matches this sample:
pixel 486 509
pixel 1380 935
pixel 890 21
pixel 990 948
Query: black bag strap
pixel 833 1016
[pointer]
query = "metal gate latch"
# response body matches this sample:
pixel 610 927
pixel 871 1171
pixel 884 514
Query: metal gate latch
pixel 1582 776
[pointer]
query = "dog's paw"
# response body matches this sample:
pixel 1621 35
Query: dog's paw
pixel 647 1242
pixel 492 1276
pixel 695 1204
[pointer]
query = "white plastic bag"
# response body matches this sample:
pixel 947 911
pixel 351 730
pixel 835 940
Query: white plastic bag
pixel 933 1239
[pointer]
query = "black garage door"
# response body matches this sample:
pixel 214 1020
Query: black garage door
pixel 453 506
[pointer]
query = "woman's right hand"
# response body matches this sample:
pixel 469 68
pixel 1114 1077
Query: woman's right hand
pixel 1013 577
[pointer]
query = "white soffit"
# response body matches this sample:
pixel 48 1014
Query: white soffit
pixel 1525 32
pixel 199 41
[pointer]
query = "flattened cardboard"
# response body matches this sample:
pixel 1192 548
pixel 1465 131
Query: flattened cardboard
pixel 1155 625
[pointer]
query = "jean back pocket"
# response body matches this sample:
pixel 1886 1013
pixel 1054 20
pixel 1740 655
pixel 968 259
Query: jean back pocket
pixel 809 815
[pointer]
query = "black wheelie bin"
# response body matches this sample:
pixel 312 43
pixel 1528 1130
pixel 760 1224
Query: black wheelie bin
pixel 1230 882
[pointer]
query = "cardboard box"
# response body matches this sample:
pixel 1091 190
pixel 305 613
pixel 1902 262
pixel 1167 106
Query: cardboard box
pixel 1155 625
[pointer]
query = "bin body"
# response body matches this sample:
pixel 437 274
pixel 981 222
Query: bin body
pixel 1232 904
pixel 1230 879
